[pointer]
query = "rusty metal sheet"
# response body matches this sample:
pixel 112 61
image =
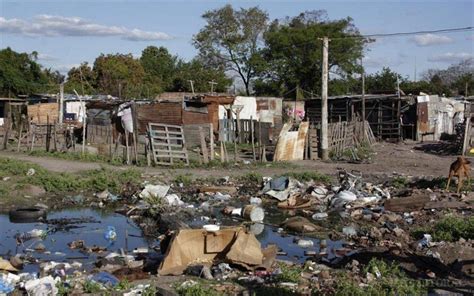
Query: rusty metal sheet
pixel 291 144
pixel 422 117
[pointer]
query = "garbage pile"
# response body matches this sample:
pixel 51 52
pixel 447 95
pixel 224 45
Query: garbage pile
pixel 253 234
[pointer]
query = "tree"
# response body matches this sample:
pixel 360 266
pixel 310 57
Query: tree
pixel 294 50
pixel 454 80
pixel 384 81
pixel 20 73
pixel 82 79
pixel 119 75
pixel 160 67
pixel 231 40
pixel 201 75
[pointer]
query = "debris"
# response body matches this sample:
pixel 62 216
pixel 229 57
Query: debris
pixel 154 191
pixel 299 224
pixel 406 204
pixel 320 216
pixel 342 198
pixel 291 144
pixel 43 286
pixel 349 231
pixel 295 201
pixel 30 172
pixel 305 243
pixel 173 200
pixel 6 265
pixel 105 278
pixel 110 234
pixel 214 189
pixel 253 213
pixel 255 201
pixel 190 246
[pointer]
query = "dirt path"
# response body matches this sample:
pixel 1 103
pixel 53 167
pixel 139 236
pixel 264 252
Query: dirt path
pixel 389 158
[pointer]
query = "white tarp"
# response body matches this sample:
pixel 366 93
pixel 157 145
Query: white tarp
pixel 78 108
pixel 249 109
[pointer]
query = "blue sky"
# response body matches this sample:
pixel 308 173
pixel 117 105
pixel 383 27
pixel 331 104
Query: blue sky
pixel 68 32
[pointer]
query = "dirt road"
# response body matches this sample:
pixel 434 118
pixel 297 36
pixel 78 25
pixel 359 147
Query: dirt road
pixel 389 158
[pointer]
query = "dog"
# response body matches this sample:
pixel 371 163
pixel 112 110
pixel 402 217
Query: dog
pixel 460 168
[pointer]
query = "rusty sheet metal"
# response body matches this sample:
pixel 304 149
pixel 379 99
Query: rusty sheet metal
pixel 422 115
pixel 164 112
pixel 291 144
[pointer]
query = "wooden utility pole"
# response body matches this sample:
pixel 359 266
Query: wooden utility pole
pixel 61 103
pixel 363 98
pixel 212 83
pixel 324 102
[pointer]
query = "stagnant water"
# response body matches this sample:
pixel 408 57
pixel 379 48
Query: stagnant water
pixel 95 223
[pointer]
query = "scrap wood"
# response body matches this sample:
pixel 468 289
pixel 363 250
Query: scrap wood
pixel 406 204
pixel 447 204
pixel 221 189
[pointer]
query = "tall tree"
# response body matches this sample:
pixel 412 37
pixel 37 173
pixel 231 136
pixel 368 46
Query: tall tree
pixel 384 81
pixel 232 39
pixel 119 75
pixel 201 75
pixel 160 67
pixel 82 79
pixel 20 73
pixel 294 50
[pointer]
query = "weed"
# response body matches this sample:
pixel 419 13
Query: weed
pixel 289 273
pixel 391 281
pixel 251 177
pixel 89 157
pixel 123 285
pixel 149 291
pixel 309 176
pixel 400 182
pixel 63 288
pixel 450 228
pixel 186 179
pixel 195 289
pixel 91 287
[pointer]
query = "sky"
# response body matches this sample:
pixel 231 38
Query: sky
pixel 68 32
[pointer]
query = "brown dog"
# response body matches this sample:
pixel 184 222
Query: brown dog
pixel 460 168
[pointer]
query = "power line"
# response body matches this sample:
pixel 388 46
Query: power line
pixel 451 30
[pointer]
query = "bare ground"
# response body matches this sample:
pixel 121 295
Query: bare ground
pixel 389 158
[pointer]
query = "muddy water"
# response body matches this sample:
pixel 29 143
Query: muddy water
pixel 91 231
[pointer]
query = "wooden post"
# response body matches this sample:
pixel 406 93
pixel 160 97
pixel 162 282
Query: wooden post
pixel 48 133
pixel 466 135
pixel 203 145
pixel 61 103
pixel 126 147
pixel 135 131
pixel 211 138
pixel 253 139
pixel 222 152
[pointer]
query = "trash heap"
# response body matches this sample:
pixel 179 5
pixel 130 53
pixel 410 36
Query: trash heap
pixel 280 232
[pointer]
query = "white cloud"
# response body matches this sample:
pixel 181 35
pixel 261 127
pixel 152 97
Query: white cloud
pixel 380 62
pixel 51 26
pixel 46 57
pixel 63 69
pixel 450 57
pixel 471 37
pixel 430 39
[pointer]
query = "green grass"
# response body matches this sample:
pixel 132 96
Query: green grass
pixel 289 273
pixel 309 176
pixel 196 289
pixel 79 156
pixel 185 179
pixel 392 281
pixel 449 228
pixel 250 178
pixel 400 182
pixel 91 287
pixel 94 180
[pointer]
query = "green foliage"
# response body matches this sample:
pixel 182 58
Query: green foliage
pixel 82 79
pixel 230 40
pixel 119 74
pixel 251 178
pixel 150 291
pixel 450 228
pixel 289 273
pixel 392 281
pixel 309 176
pixel 294 52
pixel 195 289
pixel 21 74
pixel 123 285
pixel 91 287
pixel 384 81
pixel 201 74
pixel 95 180
pixel 63 288
pixel 159 66
pixel 186 179
pixel 400 182
pixel 89 157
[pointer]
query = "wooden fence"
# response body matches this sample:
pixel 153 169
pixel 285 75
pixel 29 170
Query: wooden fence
pixel 347 134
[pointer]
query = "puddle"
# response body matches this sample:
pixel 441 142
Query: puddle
pixel 267 233
pixel 92 232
